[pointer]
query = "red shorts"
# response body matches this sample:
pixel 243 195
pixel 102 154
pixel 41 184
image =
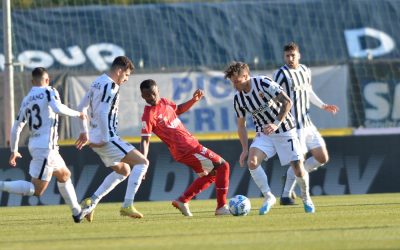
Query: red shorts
pixel 201 159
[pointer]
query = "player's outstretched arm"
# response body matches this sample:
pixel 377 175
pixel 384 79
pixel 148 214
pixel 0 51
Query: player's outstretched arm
pixel 182 108
pixel 16 129
pixel 330 108
pixel 58 107
pixel 284 99
pixel 319 103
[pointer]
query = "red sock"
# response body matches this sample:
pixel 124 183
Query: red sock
pixel 196 187
pixel 222 184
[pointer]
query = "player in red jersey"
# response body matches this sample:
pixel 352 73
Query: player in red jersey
pixel 161 118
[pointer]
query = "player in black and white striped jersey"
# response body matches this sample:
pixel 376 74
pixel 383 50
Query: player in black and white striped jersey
pixel 102 103
pixel 295 79
pixel 269 107
pixel 40 109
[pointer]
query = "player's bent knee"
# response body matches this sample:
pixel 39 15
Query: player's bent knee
pixel 323 159
pixel 63 178
pixel 326 159
pixel 66 175
pixel 144 161
pixel 222 164
pixel 63 175
pixel 252 164
pixel 125 171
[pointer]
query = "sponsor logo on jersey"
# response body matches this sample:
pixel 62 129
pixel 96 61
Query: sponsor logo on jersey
pixel 262 108
pixel 174 124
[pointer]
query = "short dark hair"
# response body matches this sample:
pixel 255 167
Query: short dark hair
pixel 123 63
pixel 291 46
pixel 235 68
pixel 147 84
pixel 37 73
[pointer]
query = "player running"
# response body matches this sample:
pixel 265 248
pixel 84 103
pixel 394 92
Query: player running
pixel 161 118
pixel 40 109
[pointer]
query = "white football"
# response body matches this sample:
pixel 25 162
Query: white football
pixel 239 205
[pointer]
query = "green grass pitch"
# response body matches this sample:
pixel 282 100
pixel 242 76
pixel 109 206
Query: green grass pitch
pixel 340 222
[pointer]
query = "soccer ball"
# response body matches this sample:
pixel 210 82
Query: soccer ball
pixel 239 205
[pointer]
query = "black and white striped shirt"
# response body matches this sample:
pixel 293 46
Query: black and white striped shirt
pixel 297 85
pixel 260 103
pixel 101 103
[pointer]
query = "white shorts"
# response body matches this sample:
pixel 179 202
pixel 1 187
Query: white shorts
pixel 285 144
pixel 44 162
pixel 310 138
pixel 113 151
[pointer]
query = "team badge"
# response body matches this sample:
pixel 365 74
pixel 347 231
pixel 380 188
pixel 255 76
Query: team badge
pixel 261 94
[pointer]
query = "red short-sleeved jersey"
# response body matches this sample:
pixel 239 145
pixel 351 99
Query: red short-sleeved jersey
pixel 163 121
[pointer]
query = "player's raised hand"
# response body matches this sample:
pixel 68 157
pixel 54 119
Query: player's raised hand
pixel 81 141
pixel 269 128
pixel 331 108
pixel 13 158
pixel 198 94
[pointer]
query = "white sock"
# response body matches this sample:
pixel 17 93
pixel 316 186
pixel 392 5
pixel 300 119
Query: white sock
pixel 304 186
pixel 67 191
pixel 268 195
pixel 261 179
pixel 19 187
pixel 134 181
pixel 311 164
pixel 290 182
pixel 109 183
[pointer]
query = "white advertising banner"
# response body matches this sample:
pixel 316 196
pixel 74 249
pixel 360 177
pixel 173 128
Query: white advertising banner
pixel 215 112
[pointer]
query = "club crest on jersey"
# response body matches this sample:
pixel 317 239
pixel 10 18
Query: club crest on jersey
pixel 261 94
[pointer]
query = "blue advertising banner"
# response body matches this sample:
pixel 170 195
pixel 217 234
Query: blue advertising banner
pixel 215 112
pixel 378 105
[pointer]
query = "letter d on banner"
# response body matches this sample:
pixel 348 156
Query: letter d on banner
pixel 354 45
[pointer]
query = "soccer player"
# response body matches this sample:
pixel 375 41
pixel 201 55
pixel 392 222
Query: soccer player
pixel 295 79
pixel 160 117
pixel 270 107
pixel 40 109
pixel 101 102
